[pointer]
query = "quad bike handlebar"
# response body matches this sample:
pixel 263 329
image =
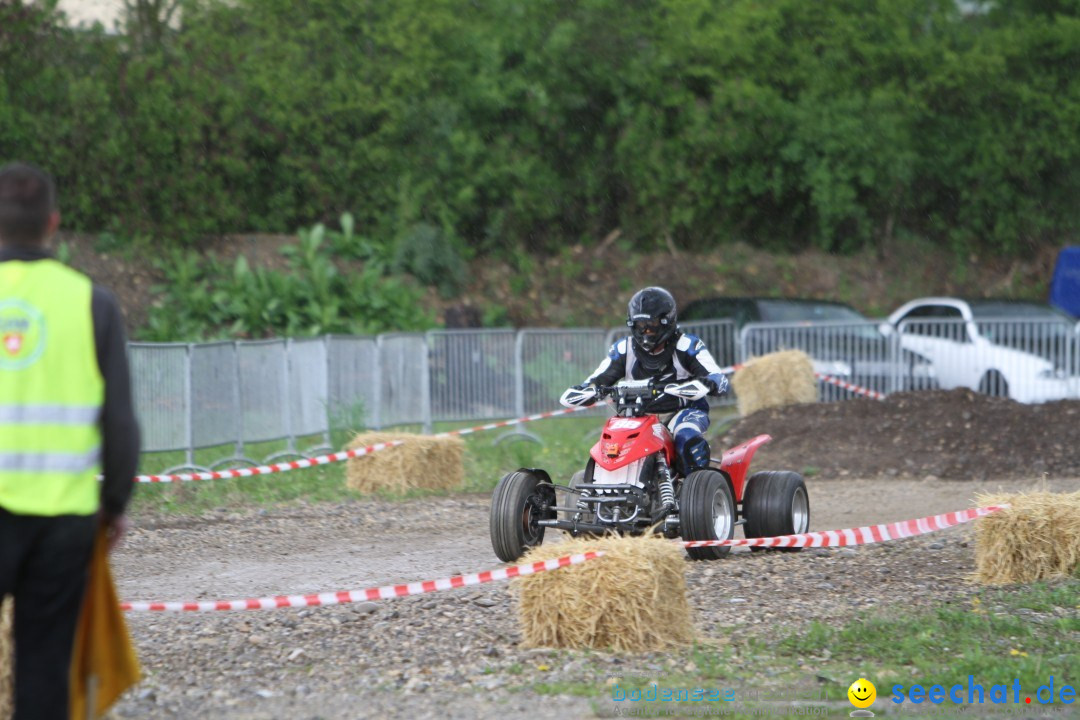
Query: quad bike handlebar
pixel 632 396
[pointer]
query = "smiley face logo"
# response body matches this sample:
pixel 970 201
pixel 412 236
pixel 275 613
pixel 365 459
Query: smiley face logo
pixel 862 693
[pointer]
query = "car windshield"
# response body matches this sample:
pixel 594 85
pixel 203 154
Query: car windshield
pixel 1027 311
pixel 1030 327
pixel 781 311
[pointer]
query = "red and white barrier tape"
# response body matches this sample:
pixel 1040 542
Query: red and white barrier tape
pixel 860 535
pixel 824 378
pixel 508 423
pixel 337 456
pixel 827 538
pixel 849 387
pixel 385 592
pixel 267 469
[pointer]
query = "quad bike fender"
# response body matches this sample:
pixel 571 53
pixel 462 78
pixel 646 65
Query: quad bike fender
pixel 541 474
pixel 626 440
pixel 736 461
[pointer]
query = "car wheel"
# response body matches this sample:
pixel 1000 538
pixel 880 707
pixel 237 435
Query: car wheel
pixel 776 503
pixel 993 383
pixel 707 512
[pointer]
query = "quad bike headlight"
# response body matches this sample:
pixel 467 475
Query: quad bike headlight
pixel 626 475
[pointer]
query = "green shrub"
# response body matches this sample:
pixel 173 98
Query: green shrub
pixel 429 256
pixel 204 299
pixel 459 127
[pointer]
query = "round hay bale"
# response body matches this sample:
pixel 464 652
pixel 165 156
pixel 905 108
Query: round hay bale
pixel 774 380
pixel 633 599
pixel 1036 538
pixel 423 462
pixel 7 657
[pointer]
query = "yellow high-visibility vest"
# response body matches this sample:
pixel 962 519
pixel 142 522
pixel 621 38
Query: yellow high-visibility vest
pixel 51 391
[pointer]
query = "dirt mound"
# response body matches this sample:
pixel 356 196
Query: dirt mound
pixel 956 434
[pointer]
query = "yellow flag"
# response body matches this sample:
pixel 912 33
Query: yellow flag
pixel 103 664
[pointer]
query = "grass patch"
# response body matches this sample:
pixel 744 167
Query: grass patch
pixel 699 666
pixel 566 687
pixel 489 455
pixel 1028 632
pixel 563 450
pixel 318 484
pixel 321 484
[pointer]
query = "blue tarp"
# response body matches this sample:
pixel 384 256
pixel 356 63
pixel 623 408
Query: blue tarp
pixel 1065 286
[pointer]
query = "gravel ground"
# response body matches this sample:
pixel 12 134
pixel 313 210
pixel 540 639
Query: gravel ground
pixel 456 653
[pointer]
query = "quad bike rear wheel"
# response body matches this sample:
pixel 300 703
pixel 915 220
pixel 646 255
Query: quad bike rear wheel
pixel 707 512
pixel 520 501
pixel 776 503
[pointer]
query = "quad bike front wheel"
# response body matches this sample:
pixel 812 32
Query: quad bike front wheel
pixel 707 512
pixel 776 503
pixel 520 501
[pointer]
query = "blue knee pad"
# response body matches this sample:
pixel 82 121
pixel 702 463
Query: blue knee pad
pixel 688 427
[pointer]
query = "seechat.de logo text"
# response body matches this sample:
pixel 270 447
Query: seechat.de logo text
pixel 974 693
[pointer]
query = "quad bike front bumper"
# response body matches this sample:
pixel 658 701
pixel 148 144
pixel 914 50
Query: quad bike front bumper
pixel 605 508
pixel 667 526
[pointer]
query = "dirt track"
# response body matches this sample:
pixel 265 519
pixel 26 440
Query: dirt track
pixel 456 653
pixel 348 546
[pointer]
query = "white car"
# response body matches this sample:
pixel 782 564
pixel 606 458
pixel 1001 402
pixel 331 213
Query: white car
pixel 1023 350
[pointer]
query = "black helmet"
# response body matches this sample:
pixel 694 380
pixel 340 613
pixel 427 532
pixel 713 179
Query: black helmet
pixel 651 317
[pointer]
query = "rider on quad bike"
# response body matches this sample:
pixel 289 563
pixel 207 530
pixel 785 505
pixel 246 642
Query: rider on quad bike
pixel 658 350
pixel 650 471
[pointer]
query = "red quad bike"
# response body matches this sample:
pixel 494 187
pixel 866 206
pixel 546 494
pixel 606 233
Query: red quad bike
pixel 632 483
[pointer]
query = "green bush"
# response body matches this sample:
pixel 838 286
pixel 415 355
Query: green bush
pixel 204 299
pixel 428 255
pixel 519 126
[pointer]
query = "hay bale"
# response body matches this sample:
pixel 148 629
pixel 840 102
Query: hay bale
pixel 632 599
pixel 1036 538
pixel 422 462
pixel 773 380
pixel 7 657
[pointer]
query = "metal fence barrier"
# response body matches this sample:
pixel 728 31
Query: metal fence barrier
pixel 231 395
pixel 161 389
pixel 856 352
pixel 403 381
pixel 215 397
pixel 472 374
pixel 354 385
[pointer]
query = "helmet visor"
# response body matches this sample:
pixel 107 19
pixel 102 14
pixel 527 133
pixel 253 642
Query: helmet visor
pixel 647 328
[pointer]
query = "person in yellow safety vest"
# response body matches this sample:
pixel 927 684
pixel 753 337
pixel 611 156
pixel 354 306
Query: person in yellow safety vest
pixel 66 415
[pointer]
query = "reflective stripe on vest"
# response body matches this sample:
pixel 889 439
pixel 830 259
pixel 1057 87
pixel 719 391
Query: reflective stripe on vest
pixel 51 391
pixel 49 462
pixel 48 415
